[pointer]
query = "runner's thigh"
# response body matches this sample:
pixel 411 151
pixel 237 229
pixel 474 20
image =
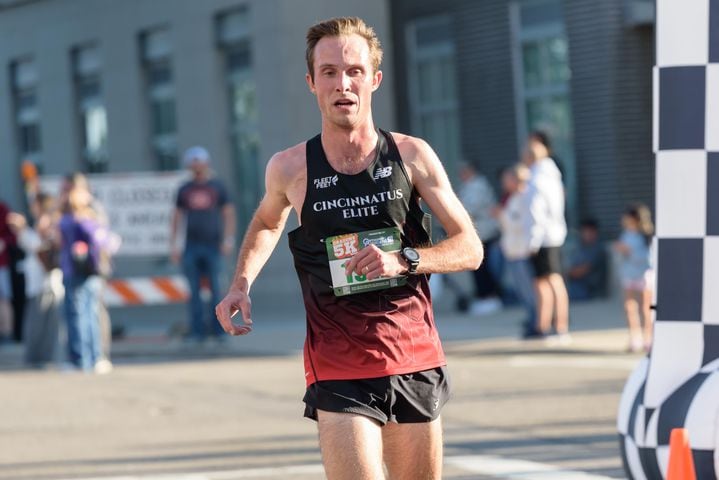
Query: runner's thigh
pixel 351 446
pixel 413 451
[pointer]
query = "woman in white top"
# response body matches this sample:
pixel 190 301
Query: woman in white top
pixel 548 232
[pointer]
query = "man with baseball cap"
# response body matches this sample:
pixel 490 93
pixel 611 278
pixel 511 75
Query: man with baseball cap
pixel 209 234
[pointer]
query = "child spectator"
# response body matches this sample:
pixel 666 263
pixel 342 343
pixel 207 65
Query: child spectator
pixel 636 274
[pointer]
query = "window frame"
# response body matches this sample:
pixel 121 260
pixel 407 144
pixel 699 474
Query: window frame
pixel 519 37
pixel 419 110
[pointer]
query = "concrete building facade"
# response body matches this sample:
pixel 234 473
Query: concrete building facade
pixel 165 75
pixel 580 70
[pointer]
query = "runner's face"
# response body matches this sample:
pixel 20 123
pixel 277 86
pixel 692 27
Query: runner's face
pixel 344 80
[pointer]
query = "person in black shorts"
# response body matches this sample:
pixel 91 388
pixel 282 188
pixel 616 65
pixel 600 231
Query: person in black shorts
pixel 547 234
pixel 547 261
pixel 375 370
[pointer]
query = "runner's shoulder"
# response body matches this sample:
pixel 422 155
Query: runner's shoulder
pixel 416 152
pixel 286 165
pixel 411 146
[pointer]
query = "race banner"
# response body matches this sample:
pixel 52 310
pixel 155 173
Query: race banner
pixel 138 207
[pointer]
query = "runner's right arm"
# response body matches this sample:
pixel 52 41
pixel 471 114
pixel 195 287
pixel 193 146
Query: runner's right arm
pixel 260 240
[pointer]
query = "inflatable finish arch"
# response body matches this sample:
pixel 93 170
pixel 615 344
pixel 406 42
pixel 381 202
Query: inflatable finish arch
pixel 678 384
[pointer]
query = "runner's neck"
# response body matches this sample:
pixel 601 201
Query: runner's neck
pixel 350 151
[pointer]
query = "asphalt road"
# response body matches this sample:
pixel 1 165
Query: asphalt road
pixel 519 409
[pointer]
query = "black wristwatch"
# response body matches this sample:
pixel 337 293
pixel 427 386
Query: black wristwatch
pixel 412 257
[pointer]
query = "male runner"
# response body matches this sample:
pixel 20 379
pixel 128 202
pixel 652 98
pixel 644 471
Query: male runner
pixel 374 366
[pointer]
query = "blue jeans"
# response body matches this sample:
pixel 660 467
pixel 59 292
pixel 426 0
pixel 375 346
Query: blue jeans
pixel 523 280
pixel 202 261
pixel 82 304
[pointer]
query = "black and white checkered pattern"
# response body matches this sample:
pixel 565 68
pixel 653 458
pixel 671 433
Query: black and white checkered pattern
pixel 678 386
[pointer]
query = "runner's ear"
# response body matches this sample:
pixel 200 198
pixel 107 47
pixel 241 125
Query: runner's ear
pixel 310 83
pixel 376 80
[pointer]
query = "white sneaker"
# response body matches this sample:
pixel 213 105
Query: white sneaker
pixel 636 344
pixel 558 340
pixel 103 367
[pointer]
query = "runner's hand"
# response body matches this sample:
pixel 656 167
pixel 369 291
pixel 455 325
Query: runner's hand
pixel 373 262
pixel 235 301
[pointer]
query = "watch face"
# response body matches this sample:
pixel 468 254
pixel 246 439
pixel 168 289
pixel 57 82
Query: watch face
pixel 411 254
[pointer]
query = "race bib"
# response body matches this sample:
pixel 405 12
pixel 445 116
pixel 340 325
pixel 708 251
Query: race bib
pixel 341 248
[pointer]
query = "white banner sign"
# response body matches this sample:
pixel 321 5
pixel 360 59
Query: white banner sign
pixel 138 206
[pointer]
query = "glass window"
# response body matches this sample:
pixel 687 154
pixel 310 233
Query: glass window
pixel 156 48
pixel 544 73
pixel 234 41
pixel 91 107
pixel 95 128
pixel 433 101
pixel 163 116
pixel 531 64
pixel 27 115
pixel 159 74
pixel 26 99
pixel 29 138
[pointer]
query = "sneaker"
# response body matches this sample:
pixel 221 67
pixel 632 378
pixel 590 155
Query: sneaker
pixel 635 345
pixel 558 340
pixel 103 367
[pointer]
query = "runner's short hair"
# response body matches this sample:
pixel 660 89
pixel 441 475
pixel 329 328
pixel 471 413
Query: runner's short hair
pixel 336 27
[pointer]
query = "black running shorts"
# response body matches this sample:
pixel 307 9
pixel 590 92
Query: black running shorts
pixel 546 261
pixel 408 398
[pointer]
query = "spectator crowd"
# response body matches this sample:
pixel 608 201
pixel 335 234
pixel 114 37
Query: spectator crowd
pixel 53 266
pixel 530 263
pixel 56 259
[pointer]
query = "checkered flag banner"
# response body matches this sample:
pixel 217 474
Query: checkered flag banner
pixel 677 386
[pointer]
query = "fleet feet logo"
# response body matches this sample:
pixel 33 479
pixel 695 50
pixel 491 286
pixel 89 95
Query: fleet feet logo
pixel 325 182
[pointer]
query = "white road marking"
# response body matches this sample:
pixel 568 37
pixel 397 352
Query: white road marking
pixel 510 469
pixel 268 472
pixel 501 468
